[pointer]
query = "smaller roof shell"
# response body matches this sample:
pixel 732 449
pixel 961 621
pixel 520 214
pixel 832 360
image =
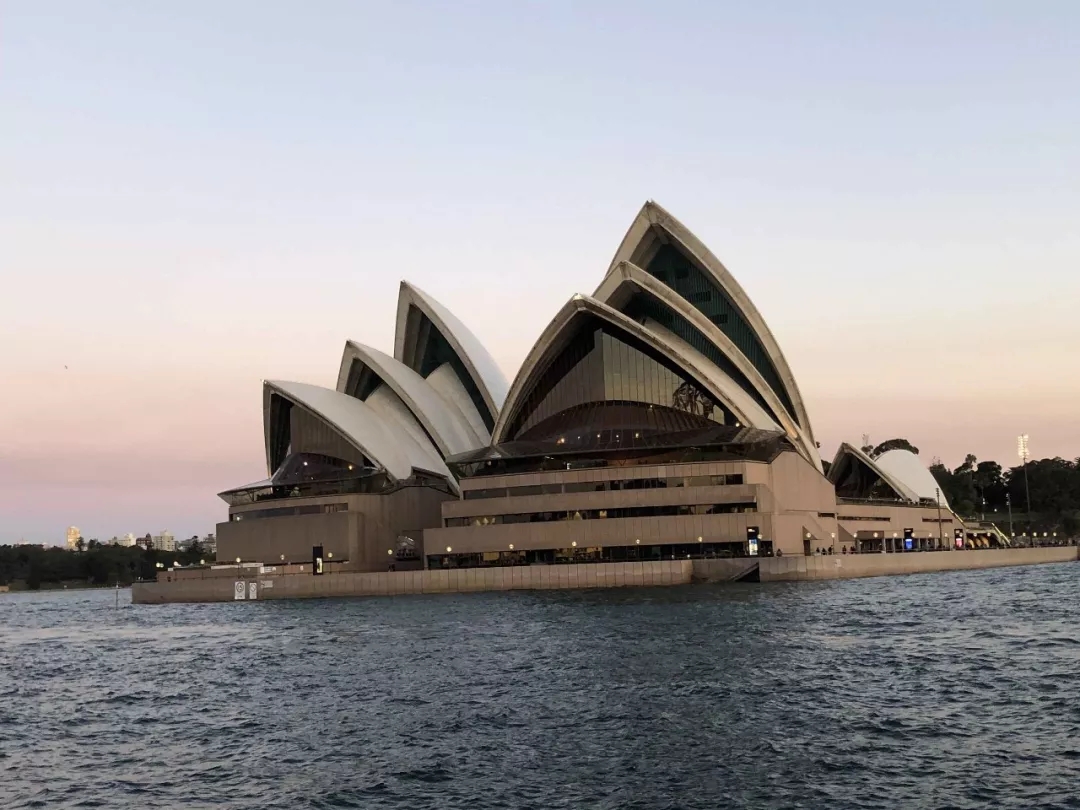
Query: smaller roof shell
pixel 481 366
pixel 848 450
pixel 442 421
pixel 388 446
pixel 908 469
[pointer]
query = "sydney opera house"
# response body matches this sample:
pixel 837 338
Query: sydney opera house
pixel 654 419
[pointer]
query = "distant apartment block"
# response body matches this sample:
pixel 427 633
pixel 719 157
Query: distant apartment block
pixel 164 541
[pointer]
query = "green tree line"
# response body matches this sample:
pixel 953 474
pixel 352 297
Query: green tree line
pixel 97 565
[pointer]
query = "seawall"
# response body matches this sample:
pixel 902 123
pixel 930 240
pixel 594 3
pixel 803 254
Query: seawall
pixel 853 566
pixel 457 580
pixel 249 584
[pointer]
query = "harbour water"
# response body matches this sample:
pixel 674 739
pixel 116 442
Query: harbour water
pixel 942 690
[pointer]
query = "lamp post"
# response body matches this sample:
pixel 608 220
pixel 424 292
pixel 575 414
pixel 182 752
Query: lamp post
pixel 940 536
pixel 1008 503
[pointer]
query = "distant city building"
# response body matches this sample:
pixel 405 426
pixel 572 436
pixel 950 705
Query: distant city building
pixel 209 544
pixel 73 538
pixel 145 542
pixel 164 541
pixel 128 540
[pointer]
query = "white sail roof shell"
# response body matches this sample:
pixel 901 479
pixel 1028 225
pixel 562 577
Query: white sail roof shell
pixel 442 420
pixel 652 219
pixel 478 362
pixel 388 445
pixel 906 467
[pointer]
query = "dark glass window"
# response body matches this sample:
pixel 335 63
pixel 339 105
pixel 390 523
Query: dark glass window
pixel 680 273
pixel 280 429
pixel 289 511
pixel 602 364
pixel 602 514
pixel 586 486
pixel 480 494
pixel 535 489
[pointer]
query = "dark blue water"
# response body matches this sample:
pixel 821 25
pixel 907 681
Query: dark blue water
pixel 944 690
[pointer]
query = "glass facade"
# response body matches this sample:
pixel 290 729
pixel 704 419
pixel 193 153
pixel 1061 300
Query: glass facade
pixel 362 381
pixel 642 307
pixel 681 274
pixel 731 479
pixel 604 514
pixel 616 449
pixel 602 364
pixel 598 554
pixel 280 430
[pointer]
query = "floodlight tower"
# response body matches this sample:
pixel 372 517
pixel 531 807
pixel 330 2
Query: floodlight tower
pixel 1022 451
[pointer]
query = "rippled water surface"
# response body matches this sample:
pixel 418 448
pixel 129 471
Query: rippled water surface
pixel 942 690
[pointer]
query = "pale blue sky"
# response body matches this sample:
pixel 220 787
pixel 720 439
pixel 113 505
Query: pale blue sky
pixel 199 195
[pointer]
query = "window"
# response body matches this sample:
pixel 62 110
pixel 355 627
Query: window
pixel 480 494
pixel 535 489
pixel 600 514
pixel 586 486
pixel 289 511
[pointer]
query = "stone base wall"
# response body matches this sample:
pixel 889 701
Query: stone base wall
pixel 723 570
pixel 852 566
pixel 223 586
pixel 457 580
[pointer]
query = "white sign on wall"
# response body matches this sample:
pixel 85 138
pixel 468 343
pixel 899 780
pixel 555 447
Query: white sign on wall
pixel 239 590
pixel 253 590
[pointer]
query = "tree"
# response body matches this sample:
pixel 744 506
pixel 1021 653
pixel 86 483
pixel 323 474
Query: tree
pixel 893 444
pixel 957 485
pixel 1070 524
pixel 990 484
pixel 93 544
pixel 80 545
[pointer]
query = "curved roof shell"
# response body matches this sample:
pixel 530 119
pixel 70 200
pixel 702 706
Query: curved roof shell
pixel 906 468
pixel 675 352
pixel 626 285
pixel 420 321
pixel 848 453
pixel 387 445
pixel 663 247
pixel 363 369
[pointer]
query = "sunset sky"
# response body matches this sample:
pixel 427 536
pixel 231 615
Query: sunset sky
pixel 199 198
